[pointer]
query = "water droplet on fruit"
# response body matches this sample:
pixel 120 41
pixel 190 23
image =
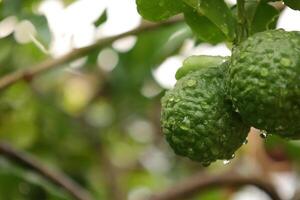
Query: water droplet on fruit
pixel 226 162
pixel 185 124
pixel 232 156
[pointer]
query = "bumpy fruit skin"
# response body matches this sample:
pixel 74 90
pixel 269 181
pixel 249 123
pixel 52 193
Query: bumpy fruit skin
pixel 199 121
pixel 264 81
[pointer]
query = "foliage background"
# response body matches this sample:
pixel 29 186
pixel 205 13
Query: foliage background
pixel 97 118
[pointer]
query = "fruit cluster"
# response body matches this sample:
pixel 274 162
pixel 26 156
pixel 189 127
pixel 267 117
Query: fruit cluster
pixel 208 114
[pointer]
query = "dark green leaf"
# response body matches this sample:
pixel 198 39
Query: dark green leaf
pixel 158 10
pixel 218 13
pixel 101 19
pixel 265 18
pixel 41 24
pixel 17 7
pixel 294 4
pixel 173 44
pixel 204 29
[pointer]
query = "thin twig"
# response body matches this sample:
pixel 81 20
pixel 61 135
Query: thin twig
pixel 30 73
pixel 57 178
pixel 201 182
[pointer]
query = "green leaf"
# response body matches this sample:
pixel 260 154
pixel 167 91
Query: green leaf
pixel 101 19
pixel 173 44
pixel 203 28
pixel 218 13
pixel 158 10
pixel 41 24
pixel 17 7
pixel 293 4
pixel 265 18
pixel 18 114
pixel 193 63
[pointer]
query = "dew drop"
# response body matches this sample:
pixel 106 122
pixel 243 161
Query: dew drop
pixel 185 124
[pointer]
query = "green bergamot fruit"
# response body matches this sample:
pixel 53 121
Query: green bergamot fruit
pixel 199 121
pixel 264 81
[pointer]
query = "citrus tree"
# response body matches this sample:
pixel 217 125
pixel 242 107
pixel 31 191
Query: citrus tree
pixel 94 123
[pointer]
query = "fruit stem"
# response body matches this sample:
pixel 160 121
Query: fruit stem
pixel 242 31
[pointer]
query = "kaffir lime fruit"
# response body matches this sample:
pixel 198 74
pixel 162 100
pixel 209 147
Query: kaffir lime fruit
pixel 264 81
pixel 198 120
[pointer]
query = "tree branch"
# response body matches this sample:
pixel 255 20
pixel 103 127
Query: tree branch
pixel 30 73
pixel 57 178
pixel 202 182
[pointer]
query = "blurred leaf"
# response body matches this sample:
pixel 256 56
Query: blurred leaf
pixel 218 13
pixel 294 4
pixel 211 194
pixel 203 28
pixel 280 148
pixel 17 7
pixel 16 56
pixel 10 7
pixel 16 184
pixel 173 44
pixel 41 24
pixel 158 10
pixel 5 51
pixel 265 18
pixel 136 65
pixel 145 179
pixel 17 119
pixel 101 19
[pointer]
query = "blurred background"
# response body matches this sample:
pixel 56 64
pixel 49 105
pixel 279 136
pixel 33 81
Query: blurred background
pixel 97 118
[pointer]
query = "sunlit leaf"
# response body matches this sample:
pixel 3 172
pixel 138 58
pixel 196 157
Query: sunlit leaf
pixel 265 18
pixel 203 28
pixel 217 12
pixel 158 10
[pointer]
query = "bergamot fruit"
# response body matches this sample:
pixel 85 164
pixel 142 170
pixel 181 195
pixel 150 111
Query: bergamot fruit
pixel 199 121
pixel 264 81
